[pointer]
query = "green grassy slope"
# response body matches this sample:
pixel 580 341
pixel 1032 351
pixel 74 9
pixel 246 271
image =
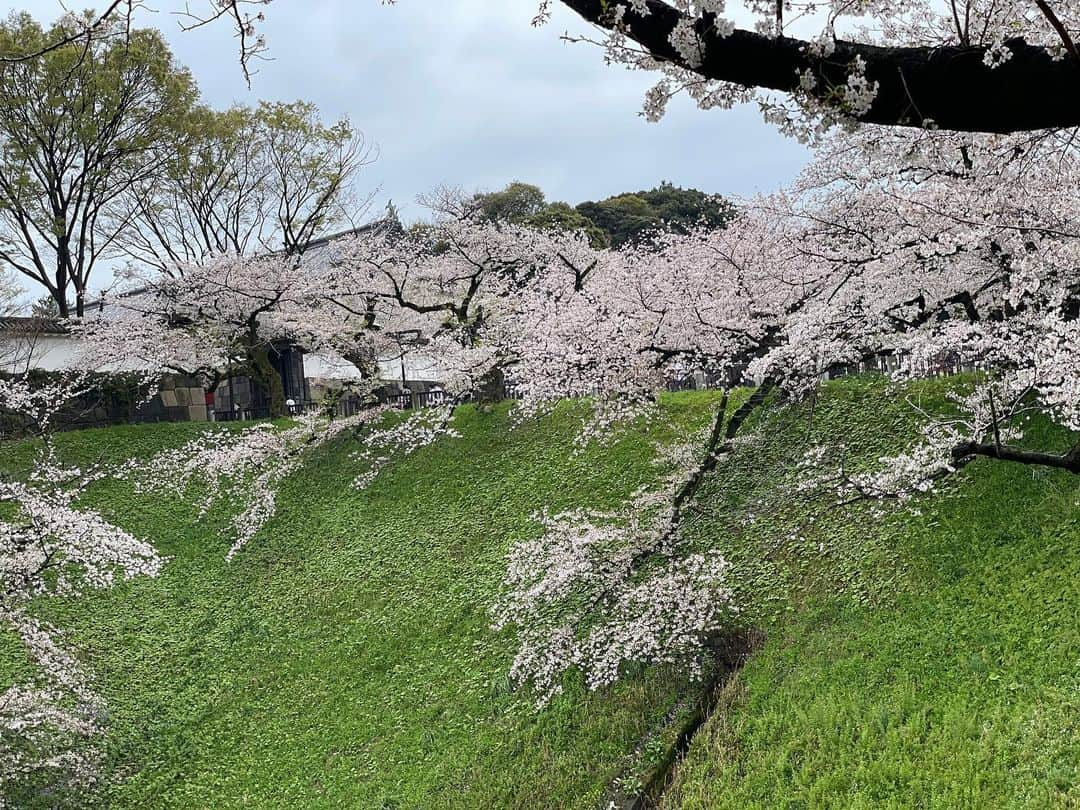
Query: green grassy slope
pixel 917 661
pixel 344 659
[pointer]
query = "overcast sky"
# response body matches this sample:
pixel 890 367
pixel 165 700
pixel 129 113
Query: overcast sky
pixel 474 96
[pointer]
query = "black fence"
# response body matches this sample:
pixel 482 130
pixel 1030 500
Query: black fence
pixel 709 381
pixel 246 414
pixel 946 365
pixel 239 414
pixel 347 405
pixel 410 400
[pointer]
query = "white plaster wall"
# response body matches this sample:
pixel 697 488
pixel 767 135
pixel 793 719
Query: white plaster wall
pixel 323 366
pixel 44 352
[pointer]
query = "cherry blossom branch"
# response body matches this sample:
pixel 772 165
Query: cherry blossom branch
pixel 599 589
pixel 379 447
pixel 1058 26
pixel 1069 461
pixel 951 87
pixel 252 44
pixel 244 467
pixel 49 545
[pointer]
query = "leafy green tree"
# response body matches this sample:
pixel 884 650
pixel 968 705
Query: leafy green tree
pixel 526 204
pixel 615 221
pixel 79 125
pixel 685 207
pixel 515 203
pixel 312 167
pixel 631 216
pixel 623 218
pixel 560 216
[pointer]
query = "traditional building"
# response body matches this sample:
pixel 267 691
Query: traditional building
pixel 46 345
pixel 34 343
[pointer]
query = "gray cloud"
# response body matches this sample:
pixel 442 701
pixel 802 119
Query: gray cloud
pixel 472 95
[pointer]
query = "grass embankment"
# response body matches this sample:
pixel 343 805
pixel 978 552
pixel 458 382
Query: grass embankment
pixel 918 661
pixel 344 659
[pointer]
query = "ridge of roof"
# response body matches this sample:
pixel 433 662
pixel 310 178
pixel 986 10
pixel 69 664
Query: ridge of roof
pixel 32 324
pixel 311 243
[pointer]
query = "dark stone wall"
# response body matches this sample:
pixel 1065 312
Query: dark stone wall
pixel 114 401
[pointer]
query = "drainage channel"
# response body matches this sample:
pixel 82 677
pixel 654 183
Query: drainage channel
pixel 730 654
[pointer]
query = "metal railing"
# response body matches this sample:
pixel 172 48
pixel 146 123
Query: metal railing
pixel 406 400
pixel 346 406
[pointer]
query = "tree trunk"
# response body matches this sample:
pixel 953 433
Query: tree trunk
pixel 59 292
pixel 266 375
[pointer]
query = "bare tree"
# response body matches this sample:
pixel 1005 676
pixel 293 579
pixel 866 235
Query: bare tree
pixel 243 181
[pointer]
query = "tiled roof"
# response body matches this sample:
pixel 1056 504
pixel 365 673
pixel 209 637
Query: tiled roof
pixel 314 246
pixel 31 326
pixel 371 227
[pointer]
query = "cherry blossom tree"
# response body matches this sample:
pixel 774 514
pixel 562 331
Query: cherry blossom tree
pixel 906 249
pixel 460 282
pixel 49 724
pixel 902 246
pixel 964 247
pixel 450 285
pixel 597 591
pixel 916 246
pixel 199 320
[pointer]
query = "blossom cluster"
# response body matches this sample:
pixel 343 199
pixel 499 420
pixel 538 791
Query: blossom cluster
pixel 580 597
pixel 50 544
pixel 243 468
pixel 380 446
pixel 50 725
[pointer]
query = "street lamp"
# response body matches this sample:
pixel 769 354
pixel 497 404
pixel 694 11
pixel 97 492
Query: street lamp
pixel 406 339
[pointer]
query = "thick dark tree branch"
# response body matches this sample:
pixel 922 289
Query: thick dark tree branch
pixel 719 443
pixel 946 87
pixel 1065 461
